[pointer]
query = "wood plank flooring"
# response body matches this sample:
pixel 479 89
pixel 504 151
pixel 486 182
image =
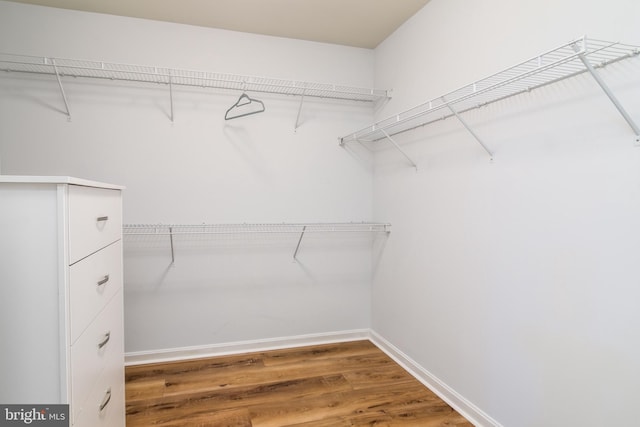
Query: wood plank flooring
pixel 334 385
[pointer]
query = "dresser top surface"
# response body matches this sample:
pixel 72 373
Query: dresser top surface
pixel 32 179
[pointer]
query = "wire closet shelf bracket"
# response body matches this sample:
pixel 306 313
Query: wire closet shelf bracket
pixel 299 229
pixel 62 68
pixel 579 56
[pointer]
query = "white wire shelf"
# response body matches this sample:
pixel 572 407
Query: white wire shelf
pixel 560 63
pixel 63 67
pixel 167 229
pixel 193 230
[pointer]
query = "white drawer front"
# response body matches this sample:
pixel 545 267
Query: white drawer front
pixel 98 351
pixel 92 283
pixel 95 220
pixel 108 395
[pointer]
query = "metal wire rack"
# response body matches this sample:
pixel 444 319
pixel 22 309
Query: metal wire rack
pixel 170 77
pixel 172 231
pixel 149 74
pixel 573 58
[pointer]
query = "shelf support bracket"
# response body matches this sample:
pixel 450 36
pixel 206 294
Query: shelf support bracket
pixel 299 242
pixel 608 92
pixel 64 96
pixel 395 144
pixel 171 97
pixel 173 258
pixel 297 125
pixel 467 127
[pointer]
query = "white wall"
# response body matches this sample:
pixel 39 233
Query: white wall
pixel 515 282
pixel 201 169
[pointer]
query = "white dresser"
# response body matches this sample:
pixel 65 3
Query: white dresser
pixel 61 307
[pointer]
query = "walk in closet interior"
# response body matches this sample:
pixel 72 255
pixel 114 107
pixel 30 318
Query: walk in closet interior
pixel 466 194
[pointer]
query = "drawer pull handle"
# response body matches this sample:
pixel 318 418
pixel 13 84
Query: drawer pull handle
pixel 102 218
pixel 106 339
pixel 106 399
pixel 104 280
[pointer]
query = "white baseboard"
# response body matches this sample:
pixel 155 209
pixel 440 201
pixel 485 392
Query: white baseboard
pixel 467 409
pixel 184 353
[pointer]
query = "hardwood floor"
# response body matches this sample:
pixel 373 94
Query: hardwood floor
pixel 334 385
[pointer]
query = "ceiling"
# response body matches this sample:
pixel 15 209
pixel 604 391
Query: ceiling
pixel 359 23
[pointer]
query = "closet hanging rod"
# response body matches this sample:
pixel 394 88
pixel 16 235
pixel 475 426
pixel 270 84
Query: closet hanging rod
pixel 226 229
pixel 171 230
pixel 182 77
pixel 544 69
pixel 500 95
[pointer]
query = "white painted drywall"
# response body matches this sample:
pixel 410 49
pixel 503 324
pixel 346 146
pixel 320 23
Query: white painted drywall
pixel 515 282
pixel 201 169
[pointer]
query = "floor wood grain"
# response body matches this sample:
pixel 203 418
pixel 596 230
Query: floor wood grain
pixel 333 385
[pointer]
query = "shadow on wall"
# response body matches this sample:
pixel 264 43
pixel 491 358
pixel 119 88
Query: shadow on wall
pixel 177 262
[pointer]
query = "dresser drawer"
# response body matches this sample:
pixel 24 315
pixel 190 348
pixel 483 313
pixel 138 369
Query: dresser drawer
pixel 105 403
pixel 99 350
pixel 95 220
pixel 92 283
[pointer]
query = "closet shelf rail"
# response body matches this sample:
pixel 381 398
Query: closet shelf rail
pixel 62 68
pixel 573 58
pixel 180 77
pixel 172 230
